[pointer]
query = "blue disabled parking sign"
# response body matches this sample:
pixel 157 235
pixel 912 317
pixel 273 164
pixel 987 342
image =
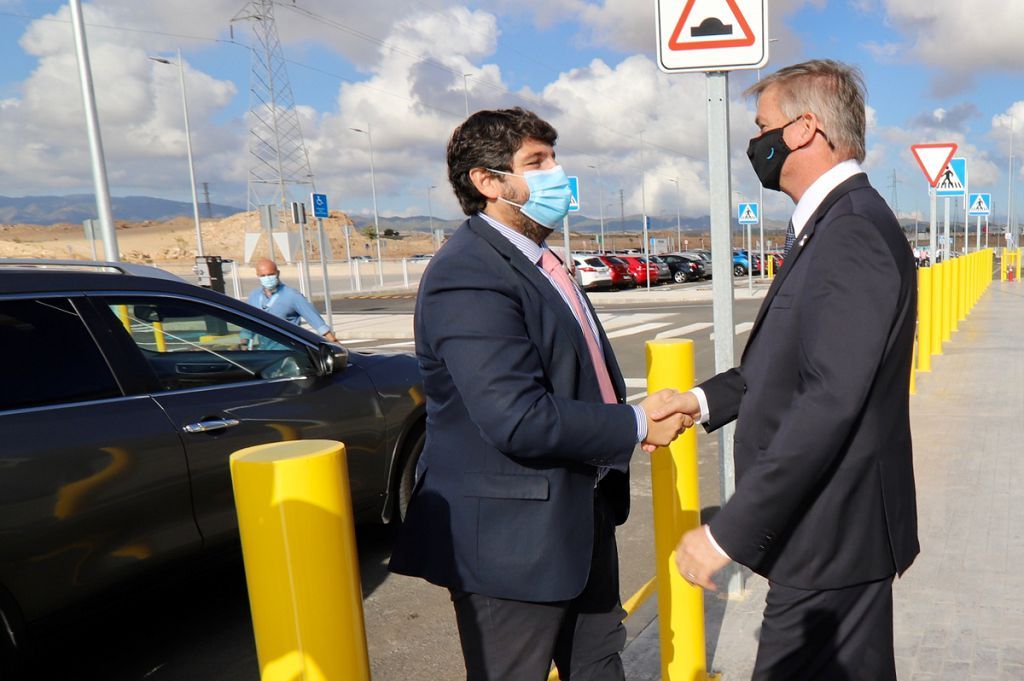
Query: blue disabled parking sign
pixel 319 202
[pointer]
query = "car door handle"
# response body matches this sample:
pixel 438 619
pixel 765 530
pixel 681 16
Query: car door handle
pixel 211 424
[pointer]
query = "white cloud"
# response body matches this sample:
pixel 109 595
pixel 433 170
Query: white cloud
pixel 42 134
pixel 961 37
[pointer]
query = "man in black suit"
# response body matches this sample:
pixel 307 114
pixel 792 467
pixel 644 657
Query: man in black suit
pixel 524 474
pixel 824 506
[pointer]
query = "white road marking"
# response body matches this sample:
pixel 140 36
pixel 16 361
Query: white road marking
pixel 637 329
pixel 684 330
pixel 403 344
pixel 740 328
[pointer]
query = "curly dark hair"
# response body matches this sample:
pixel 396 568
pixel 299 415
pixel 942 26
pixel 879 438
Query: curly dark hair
pixel 489 139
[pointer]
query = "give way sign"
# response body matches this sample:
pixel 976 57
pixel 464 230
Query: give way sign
pixel 933 158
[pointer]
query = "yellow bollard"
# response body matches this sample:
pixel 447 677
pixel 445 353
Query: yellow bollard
pixel 771 267
pixel 1002 266
pixel 914 357
pixel 298 541
pixel 954 299
pixel 924 319
pixel 947 297
pixel 936 337
pixel 964 288
pixel 159 337
pixel 676 510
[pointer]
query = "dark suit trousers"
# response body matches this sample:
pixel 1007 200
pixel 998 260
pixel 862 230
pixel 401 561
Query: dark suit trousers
pixel 833 635
pixel 504 640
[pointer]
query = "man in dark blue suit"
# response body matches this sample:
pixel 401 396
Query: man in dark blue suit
pixel 524 474
pixel 824 505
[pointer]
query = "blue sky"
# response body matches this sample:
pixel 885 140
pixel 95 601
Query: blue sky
pixel 938 71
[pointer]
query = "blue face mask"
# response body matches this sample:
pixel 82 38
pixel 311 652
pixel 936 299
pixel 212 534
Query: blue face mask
pixel 269 281
pixel 549 196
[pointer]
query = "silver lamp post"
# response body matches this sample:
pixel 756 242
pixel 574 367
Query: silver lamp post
pixel 373 190
pixel 600 199
pixel 92 124
pixel 188 148
pixel 465 91
pixel 430 219
pixel 679 227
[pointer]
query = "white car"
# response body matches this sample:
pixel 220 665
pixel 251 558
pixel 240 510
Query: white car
pixel 591 272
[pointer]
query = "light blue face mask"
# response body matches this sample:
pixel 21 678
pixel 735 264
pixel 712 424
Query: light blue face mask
pixel 549 195
pixel 269 281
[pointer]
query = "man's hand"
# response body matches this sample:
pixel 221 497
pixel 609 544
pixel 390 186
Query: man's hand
pixel 697 560
pixel 674 402
pixel 663 430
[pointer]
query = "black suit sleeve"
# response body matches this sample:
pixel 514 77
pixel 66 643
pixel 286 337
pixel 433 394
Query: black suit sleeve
pixel 477 328
pixel 850 300
pixel 724 393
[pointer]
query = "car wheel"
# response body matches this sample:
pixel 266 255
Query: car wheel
pixel 739 270
pixel 679 276
pixel 407 481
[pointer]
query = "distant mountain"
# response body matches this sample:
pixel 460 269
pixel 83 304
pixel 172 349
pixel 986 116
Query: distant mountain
pixel 577 224
pixel 49 210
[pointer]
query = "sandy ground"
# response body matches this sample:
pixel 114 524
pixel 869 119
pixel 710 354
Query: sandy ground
pixel 173 241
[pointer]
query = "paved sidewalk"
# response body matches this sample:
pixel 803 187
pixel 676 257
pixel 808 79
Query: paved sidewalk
pixel 960 607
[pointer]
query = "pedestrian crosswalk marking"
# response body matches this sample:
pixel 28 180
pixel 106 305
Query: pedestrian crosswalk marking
pixel 637 329
pixel 684 330
pixel 740 328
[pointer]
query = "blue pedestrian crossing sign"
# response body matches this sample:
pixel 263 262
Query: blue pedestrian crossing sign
pixel 319 202
pixel 979 205
pixel 953 179
pixel 746 213
pixel 574 200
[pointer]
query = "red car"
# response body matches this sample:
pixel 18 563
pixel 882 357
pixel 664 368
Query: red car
pixel 621 278
pixel 641 269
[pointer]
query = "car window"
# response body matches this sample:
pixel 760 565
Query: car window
pixel 595 262
pixel 190 345
pixel 615 261
pixel 51 356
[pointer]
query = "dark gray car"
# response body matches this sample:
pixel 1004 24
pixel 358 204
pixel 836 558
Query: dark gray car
pixel 122 398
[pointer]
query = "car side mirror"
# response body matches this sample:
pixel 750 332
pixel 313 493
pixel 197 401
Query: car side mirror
pixel 331 358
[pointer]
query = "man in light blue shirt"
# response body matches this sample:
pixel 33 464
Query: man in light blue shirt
pixel 283 301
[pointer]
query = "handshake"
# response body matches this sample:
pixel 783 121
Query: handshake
pixel 669 413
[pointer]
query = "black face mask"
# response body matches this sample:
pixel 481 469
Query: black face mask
pixel 767 153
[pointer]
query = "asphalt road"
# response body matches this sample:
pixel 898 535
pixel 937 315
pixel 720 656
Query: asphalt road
pixel 195 625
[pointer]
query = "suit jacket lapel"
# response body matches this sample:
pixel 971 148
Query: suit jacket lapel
pixel 855 182
pixel 531 272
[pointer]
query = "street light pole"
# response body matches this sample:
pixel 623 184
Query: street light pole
pixel 373 189
pixel 188 148
pixel 679 229
pixel 643 204
pixel 430 218
pixel 465 91
pixel 600 199
pixel 92 124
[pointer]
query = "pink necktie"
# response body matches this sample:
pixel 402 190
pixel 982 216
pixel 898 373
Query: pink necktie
pixel 553 266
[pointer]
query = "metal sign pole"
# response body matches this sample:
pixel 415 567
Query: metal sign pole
pixel 322 236
pixel 933 241
pixel 945 231
pixel 750 260
pixel 565 240
pixel 722 286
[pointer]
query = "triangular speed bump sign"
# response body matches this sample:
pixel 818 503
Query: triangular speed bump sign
pixel 706 31
pixel 933 158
